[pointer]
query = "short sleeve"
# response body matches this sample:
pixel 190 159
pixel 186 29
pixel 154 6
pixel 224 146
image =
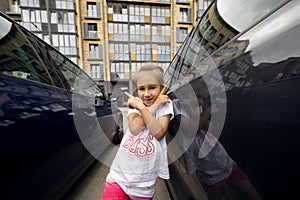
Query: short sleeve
pixel 178 109
pixel 133 110
pixel 166 109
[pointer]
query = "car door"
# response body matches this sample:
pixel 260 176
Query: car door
pixel 254 65
pixel 92 111
pixel 41 152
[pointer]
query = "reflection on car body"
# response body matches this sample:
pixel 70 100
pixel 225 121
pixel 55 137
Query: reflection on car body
pixel 41 93
pixel 247 54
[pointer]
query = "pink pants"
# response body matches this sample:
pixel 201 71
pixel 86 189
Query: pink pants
pixel 112 191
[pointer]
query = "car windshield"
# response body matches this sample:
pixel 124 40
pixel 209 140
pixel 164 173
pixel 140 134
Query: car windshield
pixel 239 14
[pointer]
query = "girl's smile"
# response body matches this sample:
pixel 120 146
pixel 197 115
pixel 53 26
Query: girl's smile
pixel 149 92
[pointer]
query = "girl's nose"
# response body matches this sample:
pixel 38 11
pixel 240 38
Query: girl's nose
pixel 147 93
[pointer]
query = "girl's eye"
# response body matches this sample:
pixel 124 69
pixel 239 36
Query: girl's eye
pixel 152 87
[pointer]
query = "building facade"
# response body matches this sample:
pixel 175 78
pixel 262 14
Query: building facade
pixel 111 39
pixel 120 36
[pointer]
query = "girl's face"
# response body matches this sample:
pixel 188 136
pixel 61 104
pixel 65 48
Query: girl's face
pixel 149 92
pixel 148 87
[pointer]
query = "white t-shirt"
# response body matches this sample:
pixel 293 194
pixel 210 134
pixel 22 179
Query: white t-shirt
pixel 141 158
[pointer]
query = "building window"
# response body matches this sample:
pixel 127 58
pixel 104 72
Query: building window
pixel 160 14
pixel 15 7
pixel 210 33
pixel 137 33
pixel 66 44
pixel 118 12
pixel 210 50
pixel 202 6
pixel 181 34
pixel 95 51
pixel 137 13
pixel 205 26
pixel 219 39
pixel 65 4
pixel 160 33
pixel 142 51
pixel 97 71
pixel 65 21
pixel 122 69
pixel 183 1
pixel 31 20
pixel 90 31
pixel 163 52
pixel 30 3
pixel 118 32
pixel 119 50
pixel 185 15
pixel 93 10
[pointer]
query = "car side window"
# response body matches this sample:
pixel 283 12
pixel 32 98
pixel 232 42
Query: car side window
pixel 18 58
pixel 76 79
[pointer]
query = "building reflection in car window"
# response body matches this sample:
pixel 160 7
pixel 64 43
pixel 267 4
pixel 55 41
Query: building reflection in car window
pixel 76 79
pixel 219 30
pixel 17 58
pixel 283 47
pixel 205 157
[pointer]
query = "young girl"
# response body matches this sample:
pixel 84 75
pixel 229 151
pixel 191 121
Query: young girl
pixel 142 156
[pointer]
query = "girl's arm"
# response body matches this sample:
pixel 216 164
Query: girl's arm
pixel 164 121
pixel 157 127
pixel 135 123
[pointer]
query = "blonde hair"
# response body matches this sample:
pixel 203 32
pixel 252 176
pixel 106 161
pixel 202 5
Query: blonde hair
pixel 158 72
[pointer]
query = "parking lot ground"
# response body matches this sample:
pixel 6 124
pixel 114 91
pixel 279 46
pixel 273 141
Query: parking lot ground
pixel 90 186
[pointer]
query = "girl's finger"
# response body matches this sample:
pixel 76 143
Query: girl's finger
pixel 163 89
pixel 129 95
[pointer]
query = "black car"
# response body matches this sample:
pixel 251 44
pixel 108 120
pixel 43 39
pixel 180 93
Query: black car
pixel 239 71
pixel 54 119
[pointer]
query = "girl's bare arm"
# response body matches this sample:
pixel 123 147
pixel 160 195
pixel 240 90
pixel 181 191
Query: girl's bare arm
pixel 135 123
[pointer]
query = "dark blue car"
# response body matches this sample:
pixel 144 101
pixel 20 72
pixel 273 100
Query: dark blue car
pixel 54 119
pixel 236 78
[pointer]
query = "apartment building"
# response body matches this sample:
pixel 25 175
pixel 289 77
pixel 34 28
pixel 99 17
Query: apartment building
pixel 120 36
pixel 111 39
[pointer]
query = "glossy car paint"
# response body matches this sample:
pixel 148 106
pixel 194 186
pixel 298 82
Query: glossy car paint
pixel 42 154
pixel 260 69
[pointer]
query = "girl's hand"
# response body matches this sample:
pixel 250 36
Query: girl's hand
pixel 162 98
pixel 133 102
pixel 159 101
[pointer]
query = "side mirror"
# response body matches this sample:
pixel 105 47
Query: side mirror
pixel 99 102
pixel 113 98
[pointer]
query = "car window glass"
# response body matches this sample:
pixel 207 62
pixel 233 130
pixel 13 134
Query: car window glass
pixel 240 14
pixel 76 79
pixel 18 58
